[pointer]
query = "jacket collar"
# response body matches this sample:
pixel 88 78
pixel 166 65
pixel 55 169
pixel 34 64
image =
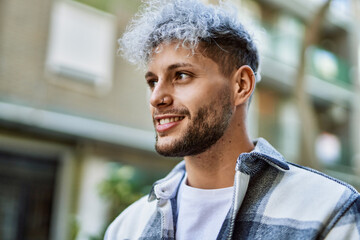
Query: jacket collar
pixel 250 163
pixel 166 188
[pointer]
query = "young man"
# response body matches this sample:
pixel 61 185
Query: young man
pixel 201 70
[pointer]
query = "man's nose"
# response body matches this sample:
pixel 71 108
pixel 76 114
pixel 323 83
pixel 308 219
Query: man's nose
pixel 161 95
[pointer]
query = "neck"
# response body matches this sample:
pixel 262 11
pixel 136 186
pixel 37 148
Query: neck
pixel 215 168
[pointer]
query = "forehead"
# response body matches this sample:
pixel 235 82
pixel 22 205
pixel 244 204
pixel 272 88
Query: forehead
pixel 173 53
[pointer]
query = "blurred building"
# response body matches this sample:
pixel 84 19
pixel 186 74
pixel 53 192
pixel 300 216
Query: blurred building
pixel 332 80
pixel 68 107
pixel 72 112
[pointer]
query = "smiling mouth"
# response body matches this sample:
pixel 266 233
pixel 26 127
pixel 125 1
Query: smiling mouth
pixel 169 120
pixel 166 123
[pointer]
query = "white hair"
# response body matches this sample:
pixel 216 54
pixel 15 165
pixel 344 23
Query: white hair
pixel 190 22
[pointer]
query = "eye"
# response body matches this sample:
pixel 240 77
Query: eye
pixel 181 76
pixel 152 83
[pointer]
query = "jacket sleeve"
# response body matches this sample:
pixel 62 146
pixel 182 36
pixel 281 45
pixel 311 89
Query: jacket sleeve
pixel 347 225
pixel 132 221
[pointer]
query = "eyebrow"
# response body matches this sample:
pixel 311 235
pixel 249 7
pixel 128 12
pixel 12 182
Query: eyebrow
pixel 169 68
pixel 149 74
pixel 178 65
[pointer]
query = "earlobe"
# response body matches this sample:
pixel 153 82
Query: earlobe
pixel 244 84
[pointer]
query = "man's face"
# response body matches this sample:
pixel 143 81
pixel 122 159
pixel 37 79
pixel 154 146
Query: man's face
pixel 190 101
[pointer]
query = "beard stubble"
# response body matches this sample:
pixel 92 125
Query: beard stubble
pixel 206 127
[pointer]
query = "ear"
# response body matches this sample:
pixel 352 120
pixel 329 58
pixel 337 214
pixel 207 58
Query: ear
pixel 244 80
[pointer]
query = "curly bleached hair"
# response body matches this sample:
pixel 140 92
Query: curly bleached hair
pixel 214 30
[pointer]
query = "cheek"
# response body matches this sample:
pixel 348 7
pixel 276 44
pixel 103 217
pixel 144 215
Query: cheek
pixel 190 100
pixel 197 96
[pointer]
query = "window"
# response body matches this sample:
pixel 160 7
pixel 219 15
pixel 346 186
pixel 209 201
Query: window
pixel 81 43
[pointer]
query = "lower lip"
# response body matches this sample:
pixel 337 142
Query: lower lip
pixel 166 126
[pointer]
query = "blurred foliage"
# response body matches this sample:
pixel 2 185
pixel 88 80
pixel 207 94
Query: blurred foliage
pixel 74 228
pixel 124 185
pixel 121 188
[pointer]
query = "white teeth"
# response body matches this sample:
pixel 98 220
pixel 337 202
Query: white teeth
pixel 168 120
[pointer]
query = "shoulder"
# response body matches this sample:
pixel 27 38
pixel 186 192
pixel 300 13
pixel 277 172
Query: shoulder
pixel 132 221
pixel 317 182
pixel 305 194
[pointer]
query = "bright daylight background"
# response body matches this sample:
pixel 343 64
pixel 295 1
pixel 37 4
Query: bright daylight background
pixel 76 137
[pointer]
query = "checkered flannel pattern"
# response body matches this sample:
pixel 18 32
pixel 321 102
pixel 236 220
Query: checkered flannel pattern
pixel 282 201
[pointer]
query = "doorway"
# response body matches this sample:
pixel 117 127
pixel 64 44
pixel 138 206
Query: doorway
pixel 27 185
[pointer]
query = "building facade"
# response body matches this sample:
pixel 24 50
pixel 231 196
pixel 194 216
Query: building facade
pixel 76 136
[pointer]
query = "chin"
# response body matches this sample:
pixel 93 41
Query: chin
pixel 167 146
pixel 164 146
pixel 166 151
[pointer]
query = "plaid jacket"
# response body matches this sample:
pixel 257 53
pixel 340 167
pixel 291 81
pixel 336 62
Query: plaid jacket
pixel 272 199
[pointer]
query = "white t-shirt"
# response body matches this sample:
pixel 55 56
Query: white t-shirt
pixel 201 212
